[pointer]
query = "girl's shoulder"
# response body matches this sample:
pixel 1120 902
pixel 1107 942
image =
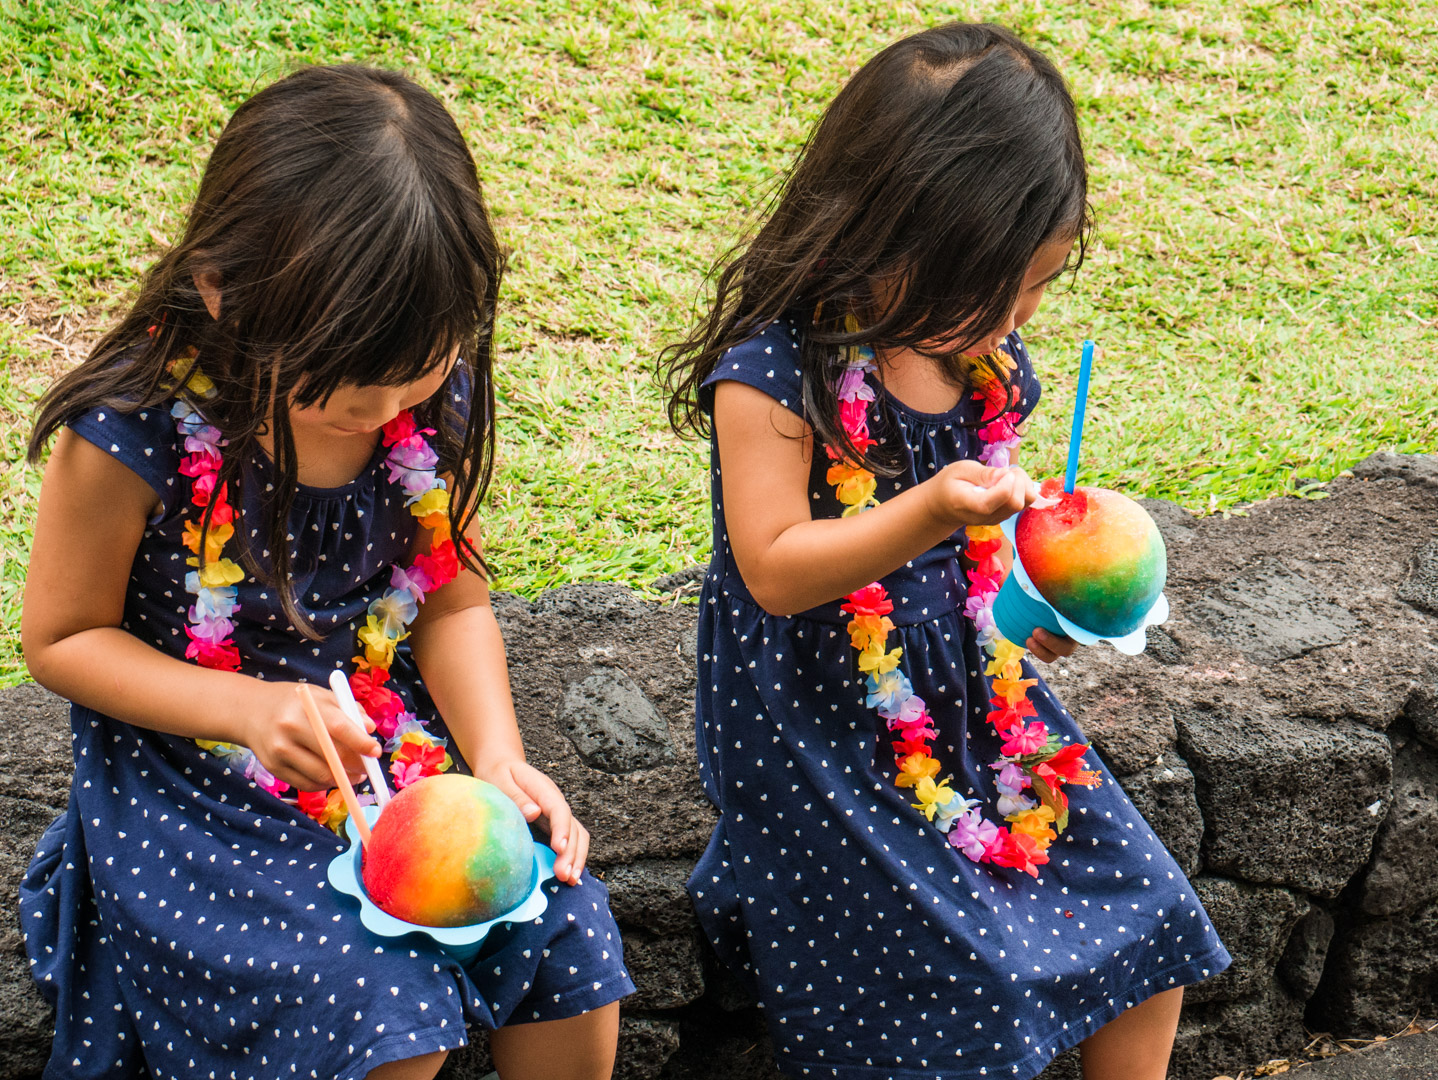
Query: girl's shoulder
pixel 768 361
pixel 143 438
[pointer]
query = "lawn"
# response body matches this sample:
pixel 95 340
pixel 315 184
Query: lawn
pixel 1265 179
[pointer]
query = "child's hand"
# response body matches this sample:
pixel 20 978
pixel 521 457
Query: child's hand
pixel 279 733
pixel 1049 647
pixel 967 493
pixel 540 800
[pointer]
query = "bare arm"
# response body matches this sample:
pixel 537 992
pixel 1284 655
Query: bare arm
pixel 458 647
pixel 791 562
pixel 91 519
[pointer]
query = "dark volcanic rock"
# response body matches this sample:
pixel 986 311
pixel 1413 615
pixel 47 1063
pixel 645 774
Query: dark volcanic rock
pixel 1255 923
pixel 1274 612
pixel 1162 646
pixel 26 1021
pixel 1380 974
pixel 686 581
pixel 1166 797
pixel 1130 733
pixel 1422 710
pixel 1404 872
pixel 1421 587
pixel 732 1046
pixel 650 895
pixel 1067 1066
pixel 1176 524
pixel 1287 802
pixel 612 724
pixel 1416 471
pixel 657 812
pixel 35 760
pixel 645 1045
pixel 35 770
pixel 1301 966
pixel 1223 1037
pixel 1413 1057
pixel 667 971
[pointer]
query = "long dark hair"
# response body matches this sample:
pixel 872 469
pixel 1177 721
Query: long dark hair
pixel 342 215
pixel 940 169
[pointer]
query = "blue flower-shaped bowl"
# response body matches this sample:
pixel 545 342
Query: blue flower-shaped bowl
pixel 461 942
pixel 1020 609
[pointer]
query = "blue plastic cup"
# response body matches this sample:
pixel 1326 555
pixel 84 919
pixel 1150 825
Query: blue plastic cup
pixel 1018 615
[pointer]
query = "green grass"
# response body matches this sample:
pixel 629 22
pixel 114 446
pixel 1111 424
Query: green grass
pixel 1265 178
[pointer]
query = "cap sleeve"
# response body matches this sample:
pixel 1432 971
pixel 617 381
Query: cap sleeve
pixel 142 439
pixel 769 361
pixel 1026 380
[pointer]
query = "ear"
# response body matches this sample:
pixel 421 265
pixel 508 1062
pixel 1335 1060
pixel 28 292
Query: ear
pixel 208 282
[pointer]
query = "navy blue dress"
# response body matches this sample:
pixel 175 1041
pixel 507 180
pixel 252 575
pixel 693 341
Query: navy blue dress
pixel 178 916
pixel 875 948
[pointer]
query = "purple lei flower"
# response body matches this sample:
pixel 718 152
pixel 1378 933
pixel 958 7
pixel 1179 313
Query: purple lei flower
pixel 263 777
pixel 852 386
pixel 419 457
pixel 414 481
pixel 973 834
pixel 414 579
pixel 1011 780
pixel 209 628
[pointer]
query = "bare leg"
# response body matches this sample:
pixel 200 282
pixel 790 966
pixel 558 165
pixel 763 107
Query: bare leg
pixel 576 1048
pixel 416 1068
pixel 1135 1044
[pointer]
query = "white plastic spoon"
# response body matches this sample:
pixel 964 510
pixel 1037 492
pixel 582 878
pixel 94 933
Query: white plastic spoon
pixel 351 708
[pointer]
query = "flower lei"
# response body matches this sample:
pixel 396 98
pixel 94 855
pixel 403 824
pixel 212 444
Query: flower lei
pixel 213 582
pixel 1032 759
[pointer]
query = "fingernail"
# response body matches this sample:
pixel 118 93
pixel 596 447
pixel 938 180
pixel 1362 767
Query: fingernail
pixel 531 808
pixel 561 843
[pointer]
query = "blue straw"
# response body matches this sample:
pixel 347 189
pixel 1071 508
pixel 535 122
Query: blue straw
pixel 1080 400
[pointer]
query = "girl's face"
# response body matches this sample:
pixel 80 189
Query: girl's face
pixel 363 410
pixel 1046 265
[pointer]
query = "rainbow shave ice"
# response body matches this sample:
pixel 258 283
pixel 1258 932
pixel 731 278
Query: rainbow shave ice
pixel 1096 557
pixel 449 850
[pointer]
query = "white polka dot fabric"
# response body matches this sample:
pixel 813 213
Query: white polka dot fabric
pixel 875 948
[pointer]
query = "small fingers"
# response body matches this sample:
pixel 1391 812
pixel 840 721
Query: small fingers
pixel 531 790
pixel 518 795
pixel 1002 499
pixel 579 852
pixel 306 770
pixel 1048 646
pixel 561 838
pixel 1040 651
pixel 348 738
pixel 971 472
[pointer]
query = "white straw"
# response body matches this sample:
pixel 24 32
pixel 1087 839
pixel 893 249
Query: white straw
pixel 351 708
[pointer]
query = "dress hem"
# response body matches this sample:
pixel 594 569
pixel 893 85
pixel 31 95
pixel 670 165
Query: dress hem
pixel 587 998
pixel 431 1040
pixel 1184 974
